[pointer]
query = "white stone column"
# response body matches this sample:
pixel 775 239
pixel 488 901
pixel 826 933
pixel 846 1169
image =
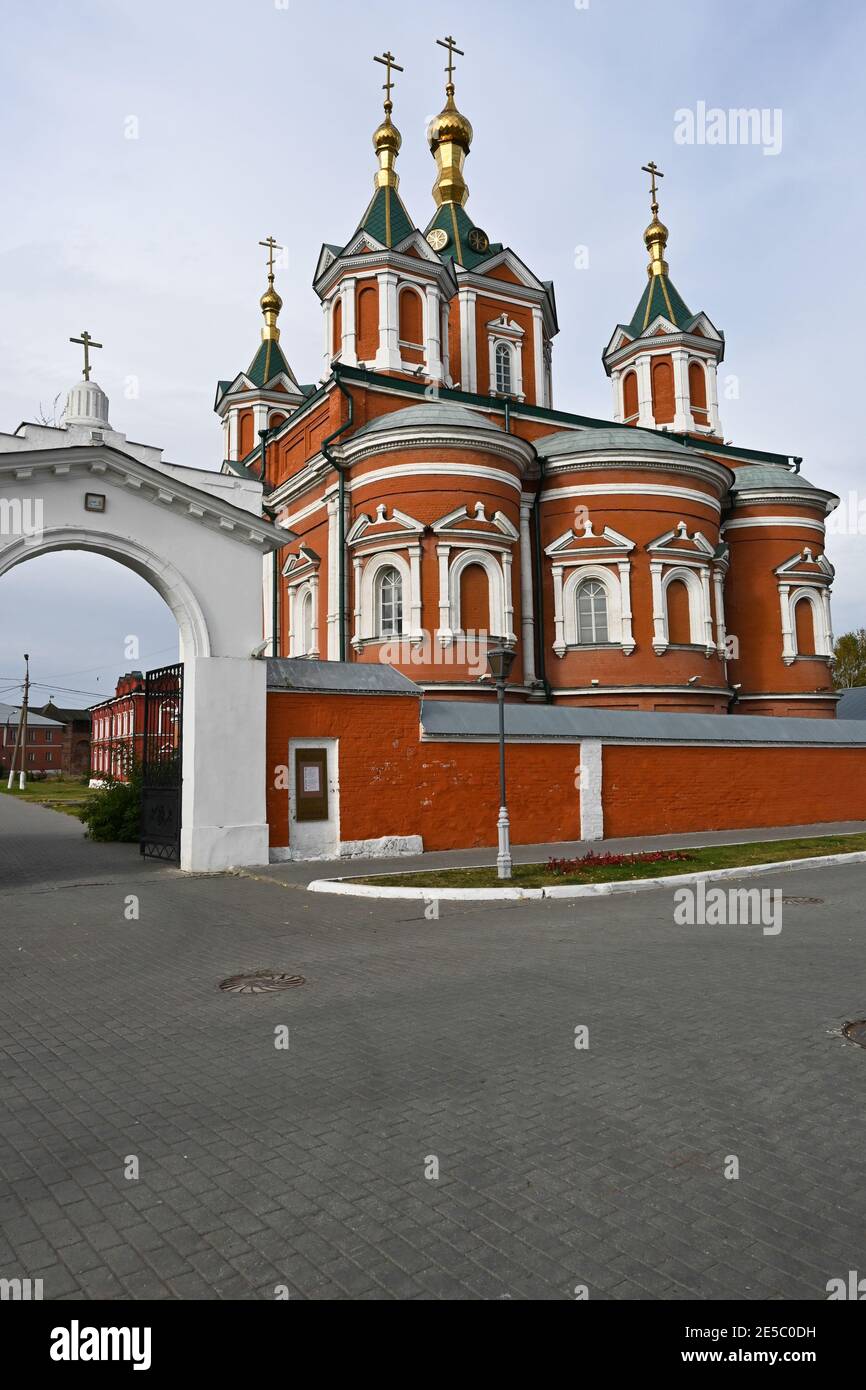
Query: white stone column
pixel 538 354
pixel 645 417
pixel 328 332
pixel 507 598
pixel 233 435
pixel 388 357
pixel 432 333
pixel 224 709
pixel 445 633
pixel 415 609
pixel 711 374
pixel 349 354
pixel 333 600
pixel 527 612
pixel 558 612
pixel 719 590
pixel 627 636
pixel 788 649
pixel 708 609
pixel 616 385
pixel 660 636
pixel 682 405
pixel 828 621
pixel 260 421
pixel 443 339
pixel 468 365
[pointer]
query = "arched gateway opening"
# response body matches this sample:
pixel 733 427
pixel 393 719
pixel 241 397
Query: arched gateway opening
pixel 198 539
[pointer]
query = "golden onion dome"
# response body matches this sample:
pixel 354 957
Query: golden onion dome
pixel 270 300
pixel 386 136
pixel 655 232
pixel 449 127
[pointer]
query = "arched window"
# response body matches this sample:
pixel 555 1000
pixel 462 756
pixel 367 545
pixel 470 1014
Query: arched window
pixel 663 392
pixel 302 634
pixel 591 601
pixel 698 392
pixel 804 624
pixel 337 326
pixel 389 603
pixel 629 396
pixel 368 323
pixel 679 614
pixel 245 433
pixel 503 363
pixel 474 599
pixel 411 317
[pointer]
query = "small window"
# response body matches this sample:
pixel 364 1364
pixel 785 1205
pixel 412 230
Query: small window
pixel 304 624
pixel 49 757
pixel 390 604
pixel 503 369
pixel 49 735
pixel 591 612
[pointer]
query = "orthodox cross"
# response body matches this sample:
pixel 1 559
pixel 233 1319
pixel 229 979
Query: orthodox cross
pixel 388 61
pixel 271 246
pixel 87 343
pixel 451 44
pixel 654 172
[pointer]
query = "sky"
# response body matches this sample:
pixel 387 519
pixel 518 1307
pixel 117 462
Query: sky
pixel 145 150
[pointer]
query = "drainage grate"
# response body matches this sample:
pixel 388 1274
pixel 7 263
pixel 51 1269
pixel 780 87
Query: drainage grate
pixel 856 1032
pixel 261 982
pixel 801 902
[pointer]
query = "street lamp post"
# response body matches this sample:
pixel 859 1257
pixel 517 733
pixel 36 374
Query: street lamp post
pixel 500 661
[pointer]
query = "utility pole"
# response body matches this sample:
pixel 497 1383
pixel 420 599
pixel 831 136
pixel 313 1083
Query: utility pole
pixel 21 733
pixel 22 776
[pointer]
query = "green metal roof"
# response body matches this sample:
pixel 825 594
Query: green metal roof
pixel 386 218
pixel 456 222
pixel 615 439
pixel 431 413
pixel 268 363
pixel 660 297
pixel 770 475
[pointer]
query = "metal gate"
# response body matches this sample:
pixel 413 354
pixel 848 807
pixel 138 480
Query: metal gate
pixel 162 762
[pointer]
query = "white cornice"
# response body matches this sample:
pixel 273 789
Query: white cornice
pixel 487 441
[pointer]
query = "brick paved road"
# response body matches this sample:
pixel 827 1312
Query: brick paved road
pixel 414 1038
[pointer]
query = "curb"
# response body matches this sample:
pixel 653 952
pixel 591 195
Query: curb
pixel 573 890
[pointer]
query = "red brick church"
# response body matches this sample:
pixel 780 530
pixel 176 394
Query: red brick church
pixel 438 495
pixel 648 576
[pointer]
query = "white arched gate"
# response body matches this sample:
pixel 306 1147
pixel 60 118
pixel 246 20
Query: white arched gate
pixel 198 538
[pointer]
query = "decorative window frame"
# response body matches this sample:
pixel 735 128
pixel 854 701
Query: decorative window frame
pixel 367 570
pixel 298 594
pixel 504 331
pixel 796 583
pixel 608 561
pixel 496 562
pixel 696 569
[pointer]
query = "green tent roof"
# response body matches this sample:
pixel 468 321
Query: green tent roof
pixel 386 219
pixel 660 297
pixel 457 224
pixel 268 363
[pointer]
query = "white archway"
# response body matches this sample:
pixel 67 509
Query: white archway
pixel 198 539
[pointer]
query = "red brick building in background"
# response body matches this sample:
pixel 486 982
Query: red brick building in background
pixel 118 729
pixel 46 742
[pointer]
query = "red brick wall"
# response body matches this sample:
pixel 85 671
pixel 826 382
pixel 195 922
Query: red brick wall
pixel 660 790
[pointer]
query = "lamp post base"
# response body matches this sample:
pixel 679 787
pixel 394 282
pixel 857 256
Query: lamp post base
pixel 503 858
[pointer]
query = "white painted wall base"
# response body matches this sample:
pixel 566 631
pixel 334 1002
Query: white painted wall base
pixel 591 811
pixel 224 707
pixel 386 847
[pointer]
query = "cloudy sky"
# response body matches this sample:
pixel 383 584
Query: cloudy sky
pixel 254 117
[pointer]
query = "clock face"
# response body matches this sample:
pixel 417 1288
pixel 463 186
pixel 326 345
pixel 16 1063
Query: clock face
pixel 478 240
pixel 438 238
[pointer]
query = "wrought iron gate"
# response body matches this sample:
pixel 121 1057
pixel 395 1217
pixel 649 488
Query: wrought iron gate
pixel 162 762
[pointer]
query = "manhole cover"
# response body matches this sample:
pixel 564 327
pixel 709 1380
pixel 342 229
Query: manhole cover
pixel 801 902
pixel 856 1032
pixel 260 982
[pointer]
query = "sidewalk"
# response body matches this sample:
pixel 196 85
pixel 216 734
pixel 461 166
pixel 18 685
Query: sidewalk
pixel 306 871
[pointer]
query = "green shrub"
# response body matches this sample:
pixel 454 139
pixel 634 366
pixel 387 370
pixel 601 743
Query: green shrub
pixel 113 811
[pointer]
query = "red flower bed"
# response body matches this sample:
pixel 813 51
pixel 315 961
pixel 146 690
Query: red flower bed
pixel 592 861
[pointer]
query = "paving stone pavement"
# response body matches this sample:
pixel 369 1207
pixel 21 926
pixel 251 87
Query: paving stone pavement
pixel 415 1040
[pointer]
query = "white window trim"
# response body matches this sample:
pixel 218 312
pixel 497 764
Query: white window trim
pixel 697 581
pixel 619 615
pixel 367 569
pixel 297 593
pixel 509 334
pixel 497 566
pixel 818 595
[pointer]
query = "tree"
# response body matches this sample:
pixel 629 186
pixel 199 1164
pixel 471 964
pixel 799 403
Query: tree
pixel 849 657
